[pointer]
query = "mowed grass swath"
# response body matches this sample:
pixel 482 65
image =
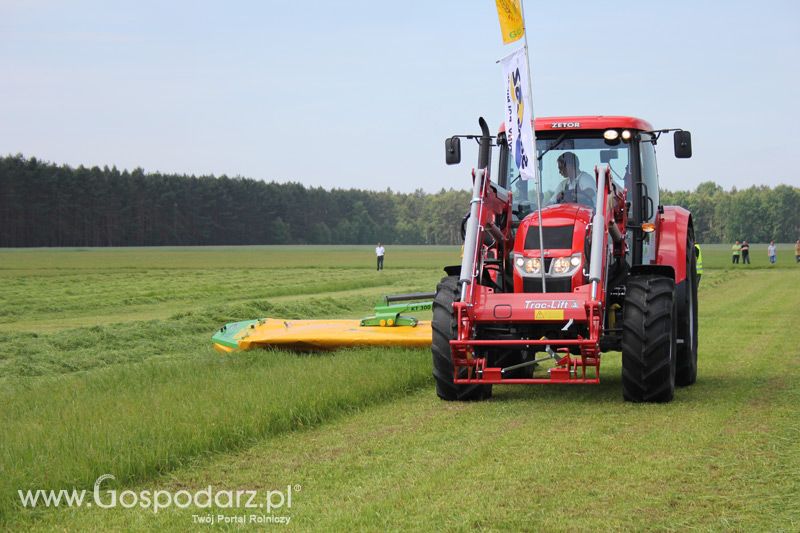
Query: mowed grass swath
pixel 141 420
pixel 138 397
pixel 146 399
pixel 49 289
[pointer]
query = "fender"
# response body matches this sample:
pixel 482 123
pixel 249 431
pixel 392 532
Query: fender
pixel 672 230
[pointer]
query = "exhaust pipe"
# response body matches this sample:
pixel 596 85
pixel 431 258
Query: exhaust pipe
pixel 485 145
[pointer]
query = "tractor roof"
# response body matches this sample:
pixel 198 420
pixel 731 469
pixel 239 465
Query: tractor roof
pixel 598 122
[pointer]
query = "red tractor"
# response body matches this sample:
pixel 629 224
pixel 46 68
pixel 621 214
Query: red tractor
pixel 607 268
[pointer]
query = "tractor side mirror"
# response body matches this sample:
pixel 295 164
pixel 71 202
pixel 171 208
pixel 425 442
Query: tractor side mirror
pixel 608 155
pixel 683 144
pixel 452 150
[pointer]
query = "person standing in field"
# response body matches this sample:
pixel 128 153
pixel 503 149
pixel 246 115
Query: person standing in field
pixel 380 251
pixel 745 253
pixel 736 249
pixel 797 251
pixel 772 252
pixel 699 266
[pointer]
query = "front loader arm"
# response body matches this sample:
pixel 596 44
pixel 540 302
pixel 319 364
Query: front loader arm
pixel 488 203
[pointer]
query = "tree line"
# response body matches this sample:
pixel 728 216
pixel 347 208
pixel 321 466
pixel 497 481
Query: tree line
pixel 755 214
pixel 43 204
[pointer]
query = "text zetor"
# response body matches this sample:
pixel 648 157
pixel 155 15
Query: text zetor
pixel 556 273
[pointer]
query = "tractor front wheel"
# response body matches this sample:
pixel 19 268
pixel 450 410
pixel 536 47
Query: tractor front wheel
pixel 444 330
pixel 649 339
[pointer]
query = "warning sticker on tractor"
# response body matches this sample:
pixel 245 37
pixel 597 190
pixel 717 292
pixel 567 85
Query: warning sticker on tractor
pixel 549 314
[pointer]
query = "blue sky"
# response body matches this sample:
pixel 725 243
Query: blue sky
pixel 362 94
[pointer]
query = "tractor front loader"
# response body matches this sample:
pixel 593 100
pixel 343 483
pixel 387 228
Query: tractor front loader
pixel 542 294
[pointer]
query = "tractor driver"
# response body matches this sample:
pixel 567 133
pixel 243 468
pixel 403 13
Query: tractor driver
pixel 577 185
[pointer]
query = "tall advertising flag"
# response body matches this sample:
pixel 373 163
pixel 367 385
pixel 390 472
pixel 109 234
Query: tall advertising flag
pixel 510 15
pixel 519 130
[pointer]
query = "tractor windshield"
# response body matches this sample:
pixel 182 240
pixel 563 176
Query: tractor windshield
pixel 567 169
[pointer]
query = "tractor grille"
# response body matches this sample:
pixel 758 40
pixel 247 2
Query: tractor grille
pixel 553 284
pixel 559 237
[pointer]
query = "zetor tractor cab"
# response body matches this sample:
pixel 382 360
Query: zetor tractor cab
pixel 608 269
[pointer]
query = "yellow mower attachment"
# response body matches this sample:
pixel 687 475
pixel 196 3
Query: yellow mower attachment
pixel 386 328
pixel 311 335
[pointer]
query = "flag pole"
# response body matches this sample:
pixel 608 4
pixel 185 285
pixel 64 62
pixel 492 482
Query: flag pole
pixel 537 174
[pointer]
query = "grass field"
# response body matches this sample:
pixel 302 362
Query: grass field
pixel 106 367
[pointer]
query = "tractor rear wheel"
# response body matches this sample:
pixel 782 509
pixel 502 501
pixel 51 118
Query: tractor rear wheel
pixel 686 371
pixel 649 339
pixel 444 330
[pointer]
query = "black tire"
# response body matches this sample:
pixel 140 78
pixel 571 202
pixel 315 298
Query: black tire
pixel 443 325
pixel 686 365
pixel 649 334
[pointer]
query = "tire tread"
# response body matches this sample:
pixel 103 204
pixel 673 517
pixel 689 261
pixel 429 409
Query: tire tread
pixel 444 330
pixel 648 339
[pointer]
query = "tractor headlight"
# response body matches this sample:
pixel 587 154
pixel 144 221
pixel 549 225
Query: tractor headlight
pixel 560 265
pixel 532 265
pixel 565 265
pixel 528 265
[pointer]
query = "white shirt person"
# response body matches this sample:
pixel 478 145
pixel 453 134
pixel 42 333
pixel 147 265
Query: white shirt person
pixel 577 186
pixel 772 252
pixel 380 251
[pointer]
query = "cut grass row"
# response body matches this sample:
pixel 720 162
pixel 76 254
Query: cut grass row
pixel 224 257
pixel 54 291
pixel 28 299
pixel 142 397
pixel 724 455
pixel 138 421
pixel 182 336
pixel 68 288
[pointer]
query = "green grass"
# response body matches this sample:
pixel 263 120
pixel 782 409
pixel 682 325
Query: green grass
pixel 137 388
pixel 223 257
pixel 361 430
pixel 139 421
pixel 47 290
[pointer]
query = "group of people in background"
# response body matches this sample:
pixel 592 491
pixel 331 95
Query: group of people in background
pixel 742 249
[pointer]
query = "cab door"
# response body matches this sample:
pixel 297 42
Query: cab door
pixel 645 203
pixel 650 196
